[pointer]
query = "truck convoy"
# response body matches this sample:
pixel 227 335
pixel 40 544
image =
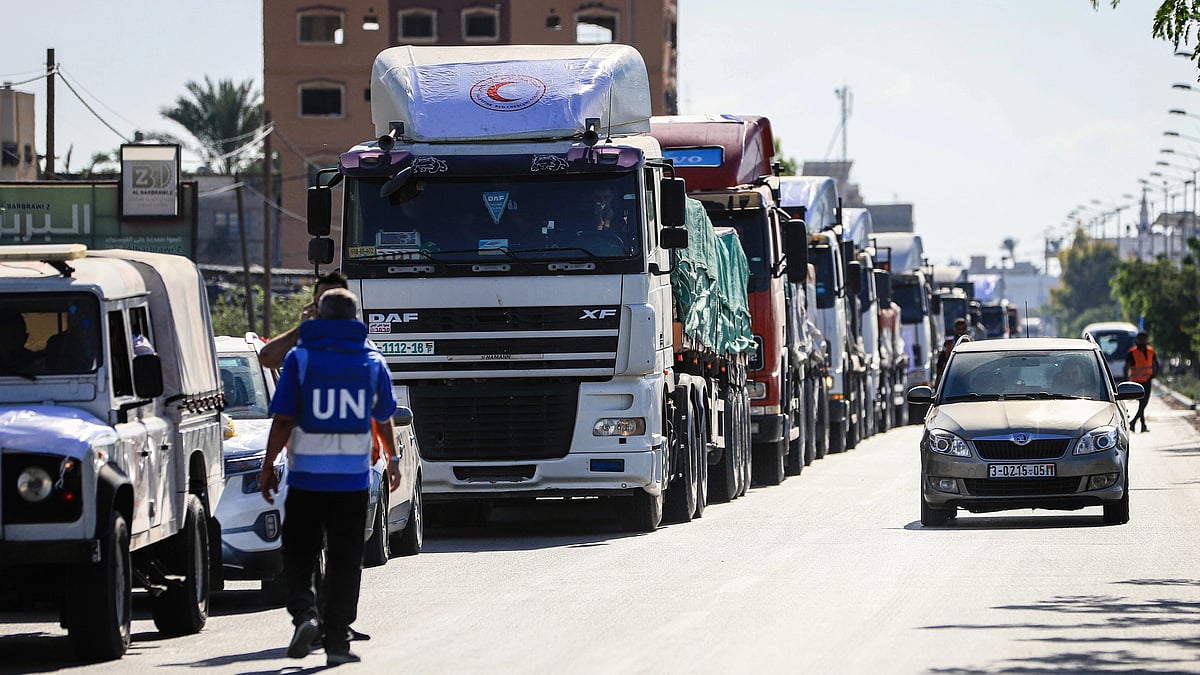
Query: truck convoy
pixel 838 283
pixel 726 161
pixel 560 320
pixel 920 315
pixel 859 234
pixel 110 438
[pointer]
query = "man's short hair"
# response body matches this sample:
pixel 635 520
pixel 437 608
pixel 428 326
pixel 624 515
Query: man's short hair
pixel 1143 335
pixel 335 279
pixel 338 304
pixel 960 322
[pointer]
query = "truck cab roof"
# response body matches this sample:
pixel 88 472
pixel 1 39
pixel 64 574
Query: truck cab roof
pixel 716 152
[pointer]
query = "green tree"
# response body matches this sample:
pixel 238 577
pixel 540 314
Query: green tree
pixel 222 117
pixel 229 311
pixel 1174 21
pixel 1085 292
pixel 787 165
pixel 1166 298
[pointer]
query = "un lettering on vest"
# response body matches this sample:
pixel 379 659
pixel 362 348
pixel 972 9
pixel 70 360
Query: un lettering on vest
pixel 342 403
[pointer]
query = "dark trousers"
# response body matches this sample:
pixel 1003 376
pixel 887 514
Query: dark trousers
pixel 337 521
pixel 1141 411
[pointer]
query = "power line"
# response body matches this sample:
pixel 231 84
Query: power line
pixel 62 71
pixel 32 79
pixel 90 109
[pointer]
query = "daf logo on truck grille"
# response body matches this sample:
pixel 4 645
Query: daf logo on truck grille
pixel 598 314
pixel 380 323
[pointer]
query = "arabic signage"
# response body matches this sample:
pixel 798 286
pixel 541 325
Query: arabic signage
pixel 87 213
pixel 150 181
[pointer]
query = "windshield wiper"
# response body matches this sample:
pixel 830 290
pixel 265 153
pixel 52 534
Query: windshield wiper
pixel 972 397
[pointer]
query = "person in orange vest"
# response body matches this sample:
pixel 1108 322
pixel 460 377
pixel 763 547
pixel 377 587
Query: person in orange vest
pixel 1141 366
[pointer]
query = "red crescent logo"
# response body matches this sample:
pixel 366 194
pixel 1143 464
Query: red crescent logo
pixel 493 92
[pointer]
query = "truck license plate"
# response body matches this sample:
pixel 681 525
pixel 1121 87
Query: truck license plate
pixel 405 347
pixel 1020 471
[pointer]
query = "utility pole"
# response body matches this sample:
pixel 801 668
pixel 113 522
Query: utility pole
pixel 246 280
pixel 50 70
pixel 846 97
pixel 268 231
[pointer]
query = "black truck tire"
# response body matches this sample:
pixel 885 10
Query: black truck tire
pixel 680 502
pixel 99 607
pixel 183 608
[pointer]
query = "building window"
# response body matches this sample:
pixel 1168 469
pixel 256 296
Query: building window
pixel 481 24
pixel 321 27
pixel 418 25
pixel 321 100
pixel 595 27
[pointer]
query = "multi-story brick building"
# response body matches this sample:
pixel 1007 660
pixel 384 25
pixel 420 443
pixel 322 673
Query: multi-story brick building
pixel 317 57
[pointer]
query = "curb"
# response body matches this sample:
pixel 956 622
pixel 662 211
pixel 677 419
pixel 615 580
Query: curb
pixel 1183 400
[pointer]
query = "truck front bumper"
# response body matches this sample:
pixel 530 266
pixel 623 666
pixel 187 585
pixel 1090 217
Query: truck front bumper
pixel 576 475
pixel 766 428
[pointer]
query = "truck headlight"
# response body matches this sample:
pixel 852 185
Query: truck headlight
pixel 1099 439
pixel 756 390
pixel 946 443
pixel 34 484
pixel 619 426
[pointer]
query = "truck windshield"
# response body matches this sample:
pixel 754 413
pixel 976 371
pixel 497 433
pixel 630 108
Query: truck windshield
pixel 751 226
pixel 994 320
pixel 490 220
pixel 49 334
pixel 824 262
pixel 954 308
pixel 911 299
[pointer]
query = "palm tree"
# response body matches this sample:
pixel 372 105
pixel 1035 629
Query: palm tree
pixel 1010 245
pixel 222 117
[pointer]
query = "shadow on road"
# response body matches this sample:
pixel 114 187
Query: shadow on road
pixel 525 525
pixel 1099 633
pixel 1025 522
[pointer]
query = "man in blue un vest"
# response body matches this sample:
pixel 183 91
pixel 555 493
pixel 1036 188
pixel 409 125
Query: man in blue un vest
pixel 332 385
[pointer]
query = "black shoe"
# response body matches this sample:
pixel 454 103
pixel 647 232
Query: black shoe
pixel 1144 429
pixel 302 639
pixel 339 657
pixel 357 636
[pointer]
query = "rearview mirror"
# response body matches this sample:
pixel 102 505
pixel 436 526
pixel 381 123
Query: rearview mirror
pixel 403 417
pixel 1130 391
pixel 673 237
pixel 854 277
pixel 320 250
pixel 674 201
pixel 920 394
pixel 795 236
pixel 148 377
pixel 320 206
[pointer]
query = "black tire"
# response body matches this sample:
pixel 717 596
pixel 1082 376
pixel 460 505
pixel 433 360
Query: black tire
pixel 700 436
pixel 795 461
pixel 822 430
pixel 810 422
pixel 745 456
pixel 1117 513
pixel 99 598
pixel 722 476
pixel 837 437
pixel 379 548
pixel 932 516
pixel 768 462
pixel 680 501
pixel 642 512
pixel 410 540
pixel 183 608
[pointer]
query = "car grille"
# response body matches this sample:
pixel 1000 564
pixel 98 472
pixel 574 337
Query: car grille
pixel 1041 448
pixel 498 420
pixel 1021 487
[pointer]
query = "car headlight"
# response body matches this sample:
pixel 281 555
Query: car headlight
pixel 619 426
pixel 34 484
pixel 946 443
pixel 1097 440
pixel 243 463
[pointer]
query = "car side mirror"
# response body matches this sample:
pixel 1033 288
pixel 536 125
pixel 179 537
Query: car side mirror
pixel 1130 391
pixel 795 236
pixel 147 376
pixel 403 417
pixel 920 394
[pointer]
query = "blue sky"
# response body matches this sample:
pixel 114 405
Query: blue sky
pixel 995 119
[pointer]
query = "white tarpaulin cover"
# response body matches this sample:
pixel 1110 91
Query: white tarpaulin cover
pixel 509 92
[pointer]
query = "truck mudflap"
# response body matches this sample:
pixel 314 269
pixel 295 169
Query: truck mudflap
pixel 839 410
pixel 577 474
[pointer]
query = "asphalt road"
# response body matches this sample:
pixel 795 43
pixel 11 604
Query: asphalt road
pixel 830 572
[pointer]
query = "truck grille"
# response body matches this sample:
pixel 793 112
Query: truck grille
pixel 1021 487
pixel 497 420
pixel 1042 448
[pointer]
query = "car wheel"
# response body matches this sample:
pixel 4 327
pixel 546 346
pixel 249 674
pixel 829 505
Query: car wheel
pixel 183 608
pixel 932 516
pixel 1117 513
pixel 412 537
pixel 378 548
pixel 100 597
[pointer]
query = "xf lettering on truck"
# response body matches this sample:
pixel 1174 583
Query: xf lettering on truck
pixel 598 314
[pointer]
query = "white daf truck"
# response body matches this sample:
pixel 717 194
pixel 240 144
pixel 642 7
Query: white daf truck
pixel 110 438
pixel 519 256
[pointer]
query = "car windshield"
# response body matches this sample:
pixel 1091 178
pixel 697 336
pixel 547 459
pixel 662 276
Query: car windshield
pixel 1023 374
pixel 49 334
pixel 245 390
pixel 1115 344
pixel 490 220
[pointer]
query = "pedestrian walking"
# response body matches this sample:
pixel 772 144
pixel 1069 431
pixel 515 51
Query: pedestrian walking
pixel 331 387
pixel 1141 366
pixel 272 354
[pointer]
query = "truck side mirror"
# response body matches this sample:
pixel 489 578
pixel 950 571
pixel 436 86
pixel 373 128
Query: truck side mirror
pixel 674 201
pixel 854 277
pixel 147 376
pixel 795 237
pixel 403 417
pixel 673 237
pixel 883 286
pixel 935 305
pixel 320 206
pixel 320 251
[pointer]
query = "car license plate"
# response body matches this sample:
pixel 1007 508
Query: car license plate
pixel 1020 471
pixel 405 347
